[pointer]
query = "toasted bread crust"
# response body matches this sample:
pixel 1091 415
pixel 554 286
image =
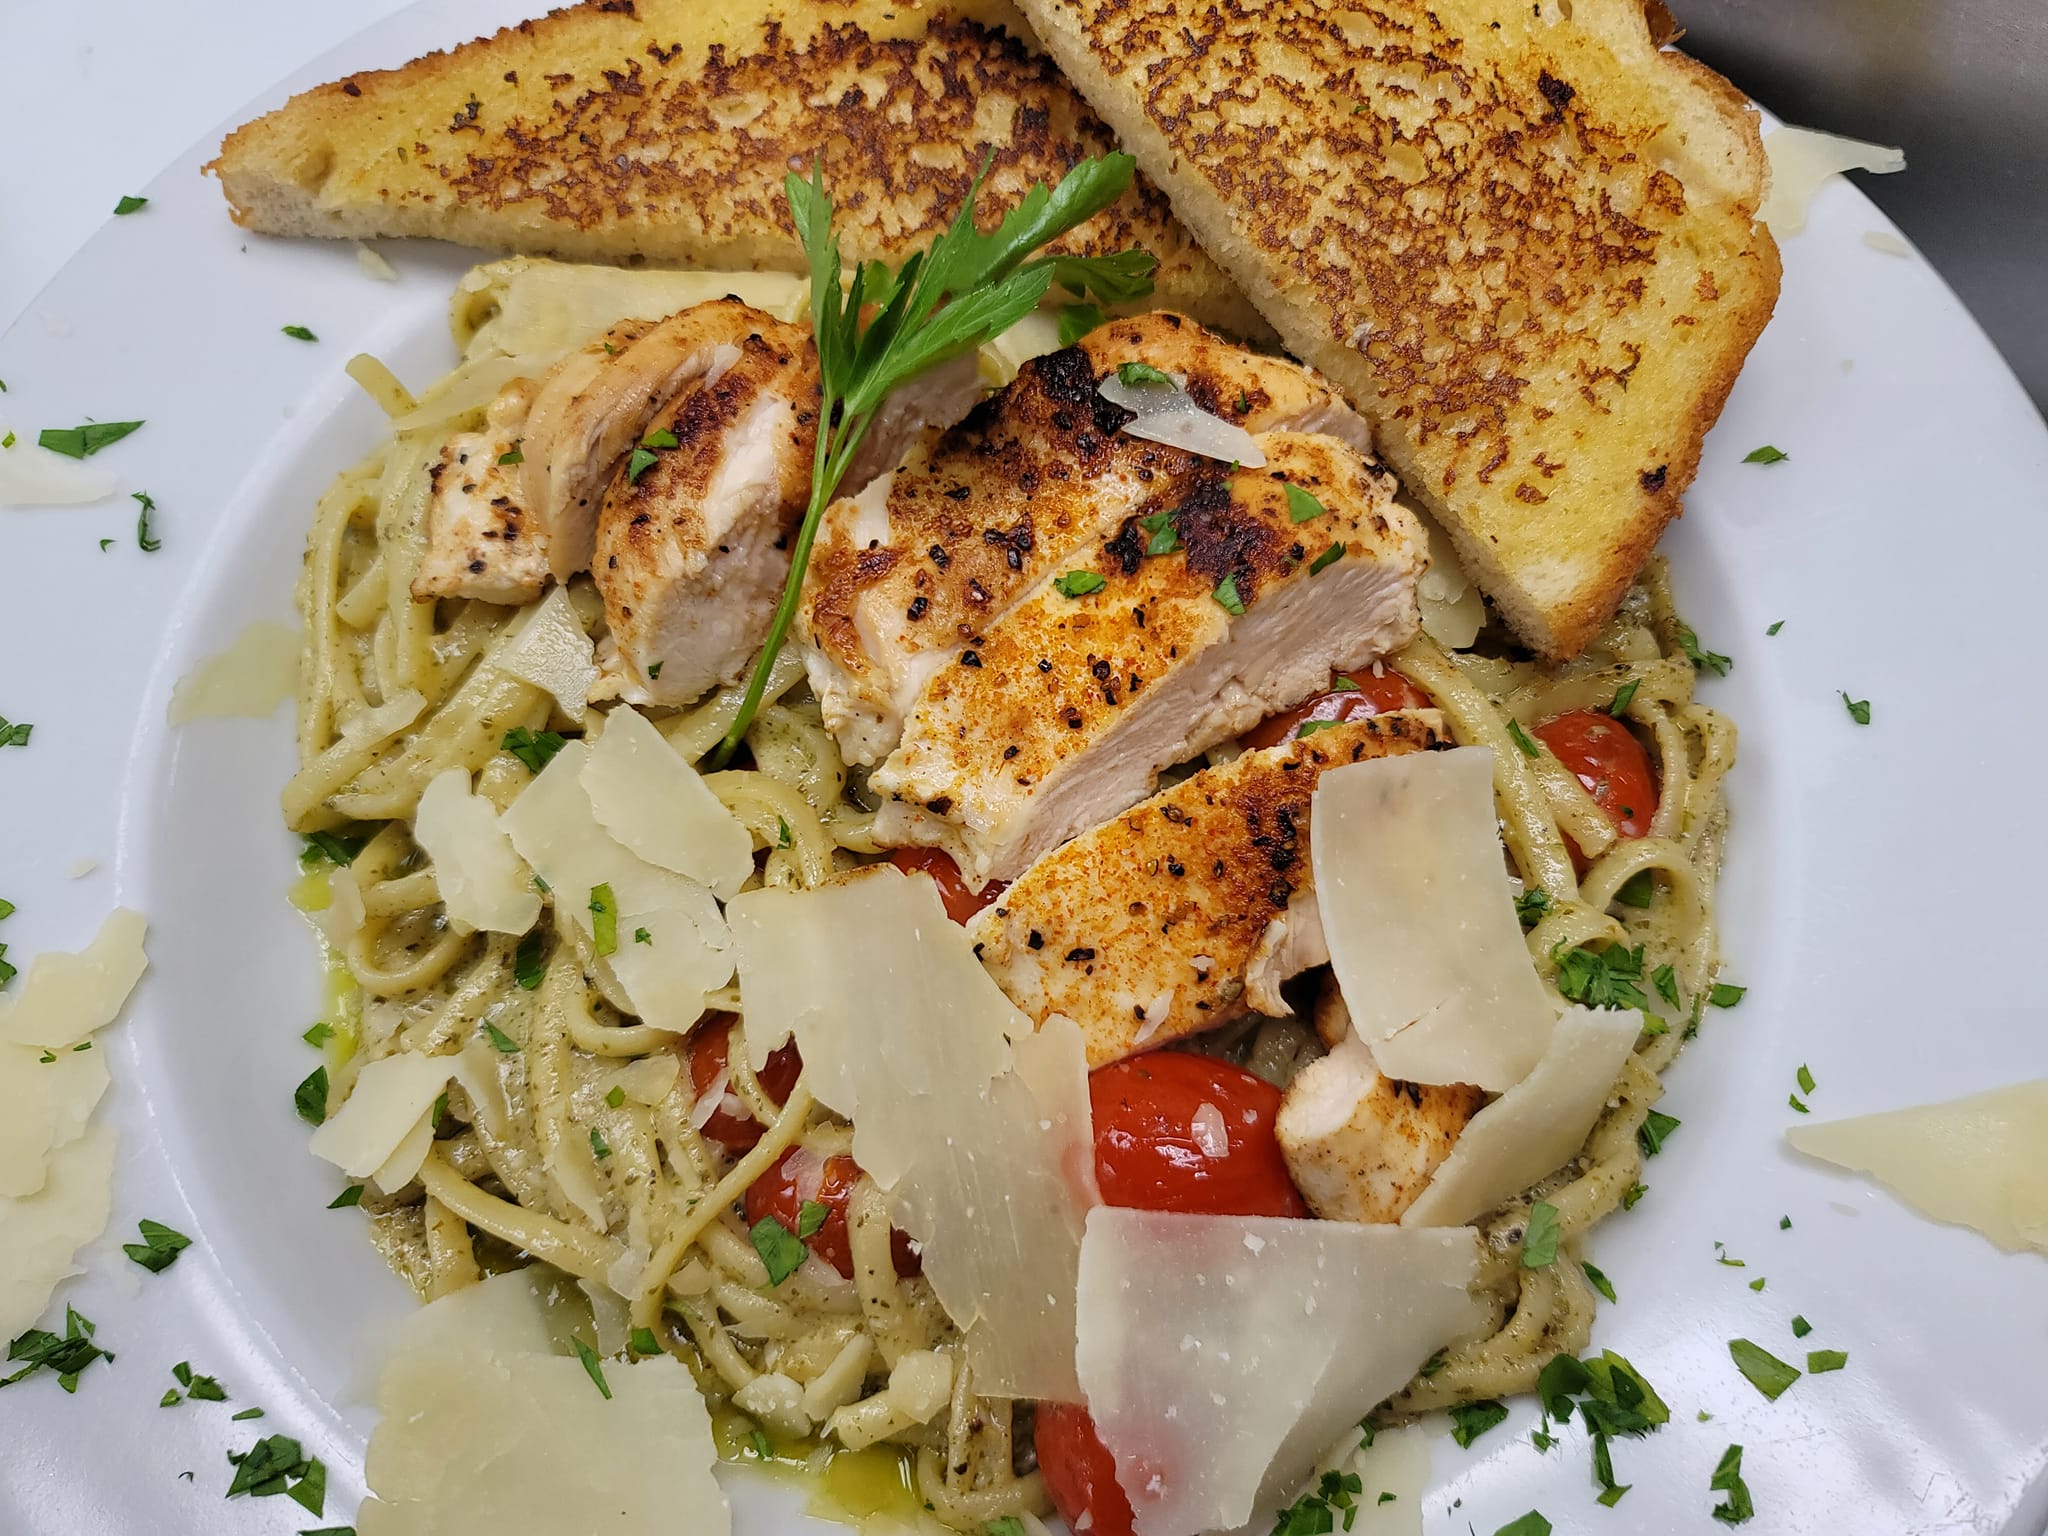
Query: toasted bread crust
pixel 1524 244
pixel 662 129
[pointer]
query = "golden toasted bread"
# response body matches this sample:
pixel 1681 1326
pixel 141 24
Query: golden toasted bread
pixel 1521 238
pixel 661 130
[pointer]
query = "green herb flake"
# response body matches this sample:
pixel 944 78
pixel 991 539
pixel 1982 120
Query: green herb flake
pixel 1727 1479
pixel 782 834
pixel 68 1356
pixel 1776 625
pixel 516 454
pixel 654 668
pixel 353 1195
pixel 1601 978
pixel 1326 559
pixel 1757 1284
pixel 592 1367
pixel 1859 709
pixel 642 936
pixel 1165 538
pixel 1301 505
pixel 1310 727
pixel 1524 742
pixel 1600 1281
pixel 310 1097
pixel 810 1218
pixel 1656 1127
pixel 1005 1525
pixel 1766 1372
pixel 1819 1361
pixel 1531 1524
pixel 536 749
pixel 1471 1420
pixel 276 1464
pixel 299 333
pixel 1134 374
pixel 642 460
pixel 1077 320
pixel 1539 1238
pixel 1725 994
pixel 1706 661
pixel 159 1248
pixel 616 1097
pixel 643 1342
pixel 604 920
pixel 149 544
pixel 1226 595
pixel 318 1035
pixel 9 441
pixel 599 1147
pixel 527 965
pixel 331 848
pixel 763 1451
pixel 1078 583
pixel 1665 980
pixel 129 204
pixel 1801 1327
pixel 1765 455
pixel 1532 906
pixel 502 1042
pixel 1632 1194
pixel 15 733
pixel 1784 1223
pixel 1623 697
pixel 1638 890
pixel 660 437
pixel 245 1415
pixel 781 1251
pixel 1793 1100
pixel 1805 1076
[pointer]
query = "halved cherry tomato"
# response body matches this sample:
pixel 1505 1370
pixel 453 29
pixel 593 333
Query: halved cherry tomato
pixel 1376 694
pixel 736 1132
pixel 1151 1153
pixel 775 1194
pixel 1606 757
pixel 961 902
pixel 1079 1472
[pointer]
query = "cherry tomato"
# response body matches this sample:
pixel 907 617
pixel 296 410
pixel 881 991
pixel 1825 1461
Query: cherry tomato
pixel 1610 762
pixel 1376 694
pixel 1079 1472
pixel 775 1194
pixel 736 1131
pixel 1151 1153
pixel 961 902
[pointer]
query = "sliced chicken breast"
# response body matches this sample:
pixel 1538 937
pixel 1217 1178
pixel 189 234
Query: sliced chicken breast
pixel 480 541
pixel 906 575
pixel 1063 711
pixel 1146 928
pixel 1361 1146
pixel 692 554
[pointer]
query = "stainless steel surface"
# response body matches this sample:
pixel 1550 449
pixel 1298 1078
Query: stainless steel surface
pixel 1962 87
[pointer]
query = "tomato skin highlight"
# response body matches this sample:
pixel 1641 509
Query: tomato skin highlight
pixel 1604 755
pixel 1147 1155
pixel 1376 694
pixel 708 1045
pixel 961 903
pixel 1079 1472
pixel 775 1194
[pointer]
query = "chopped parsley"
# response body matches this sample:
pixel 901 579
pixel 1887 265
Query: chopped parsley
pixel 516 454
pixel 781 1251
pixel 505 1044
pixel 200 1389
pixel 1706 661
pixel 1531 1524
pixel 643 1342
pixel 1141 373
pixel 1859 709
pixel 1793 1100
pixel 1819 1361
pixel 1776 625
pixel 1524 742
pixel 129 204
pixel 1801 1327
pixel 1638 890
pixel 1539 1238
pixel 1632 1194
pixel 782 837
pixel 599 1147
pixel 604 920
pixel 810 1217
pixel 1601 978
pixel 592 1367
pixel 1313 1514
pixel 159 1248
pixel 318 1035
pixel 9 441
pixel 245 1414
pixel 1301 506
pixel 1721 1257
pixel 1765 455
pixel 82 442
pixel 654 668
pixel 299 333
pixel 310 1097
pixel 1654 1130
pixel 142 535
pixel 1727 1479
pixel 333 848
pixel 1077 320
pixel 1005 1525
pixel 1806 1082
pixel 1078 583
pixel 641 461
pixel 1784 1223
pixel 1226 595
pixel 536 749
pixel 1165 538
pixel 1757 1284
pixel 1326 559
pixel 1725 995
pixel 1766 1372
pixel 1471 1420
pixel 1532 906
pixel 527 965
pixel 1310 727
pixel 276 1464
pixel 68 1356
pixel 1623 697
pixel 616 1097
pixel 353 1195
pixel 642 936
pixel 1612 1398
pixel 763 1451
pixel 1600 1281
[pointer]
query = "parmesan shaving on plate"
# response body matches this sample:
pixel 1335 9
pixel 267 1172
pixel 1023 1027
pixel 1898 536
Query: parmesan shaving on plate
pixel 552 652
pixel 375 265
pixel 1420 920
pixel 657 805
pixel 40 1234
pixel 65 997
pixel 247 681
pixel 376 1132
pixel 481 878
pixel 1167 413
pixel 552 1453
pixel 983 1149
pixel 44 1105
pixel 32 476
pixel 1537 1126
pixel 1802 159
pixel 1223 1355
pixel 1452 609
pixel 1979 1162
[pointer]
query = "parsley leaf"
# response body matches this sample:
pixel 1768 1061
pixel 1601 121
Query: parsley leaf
pixel 1652 1132
pixel 1326 559
pixel 142 535
pixel 1601 978
pixel 1725 995
pixel 1532 906
pixel 516 454
pixel 1706 661
pixel 1765 455
pixel 1623 697
pixel 592 1367
pixel 299 333
pixel 67 1356
pixel 1077 320
pixel 1632 1194
pixel 1524 743
pixel 335 848
pixel 642 936
pixel 310 1097
pixel 782 835
pixel 782 1253
pixel 1165 537
pixel 1766 1372
pixel 1638 890
pixel 1806 1082
pixel 129 204
pixel 1301 506
pixel 1141 373
pixel 353 1195
pixel 504 1043
pixel 527 965
pixel 604 920
pixel 1822 1360
pixel 1727 1479
pixel 1471 1420
pixel 643 1342
pixel 1801 1327
pixel 159 1248
pixel 1859 709
pixel 82 442
pixel 536 749
pixel 1776 625
pixel 276 1464
pixel 599 1147
pixel 810 1217
pixel 641 461
pixel 1531 1524
pixel 15 734
pixel 1078 583
pixel 1539 1238
pixel 1601 1283
pixel 1226 595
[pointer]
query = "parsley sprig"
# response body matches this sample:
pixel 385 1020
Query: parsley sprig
pixel 942 303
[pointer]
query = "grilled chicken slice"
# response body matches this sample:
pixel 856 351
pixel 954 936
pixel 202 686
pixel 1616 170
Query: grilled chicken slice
pixel 692 553
pixel 480 541
pixel 1361 1146
pixel 906 576
pixel 1145 929
pixel 1063 711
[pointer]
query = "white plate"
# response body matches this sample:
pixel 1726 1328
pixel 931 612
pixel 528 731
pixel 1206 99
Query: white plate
pixel 1881 890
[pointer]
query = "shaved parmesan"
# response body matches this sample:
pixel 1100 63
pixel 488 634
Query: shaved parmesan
pixel 375 726
pixel 648 1080
pixel 1033 336
pixel 689 950
pixel 1884 240
pixel 247 681
pixel 44 1105
pixel 336 907
pixel 482 880
pixel 1537 1126
pixel 551 1454
pixel 374 264
pixel 551 651
pixel 32 476
pixel 65 997
pixel 1163 414
pixel 526 304
pixel 40 1234
pixel 374 1132
pixel 1979 1162
pixel 1222 1355
pixel 1452 609
pixel 1420 919
pixel 1802 159
pixel 659 807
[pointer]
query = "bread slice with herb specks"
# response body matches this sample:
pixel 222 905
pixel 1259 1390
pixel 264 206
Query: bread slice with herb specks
pixel 660 130
pixel 1518 235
